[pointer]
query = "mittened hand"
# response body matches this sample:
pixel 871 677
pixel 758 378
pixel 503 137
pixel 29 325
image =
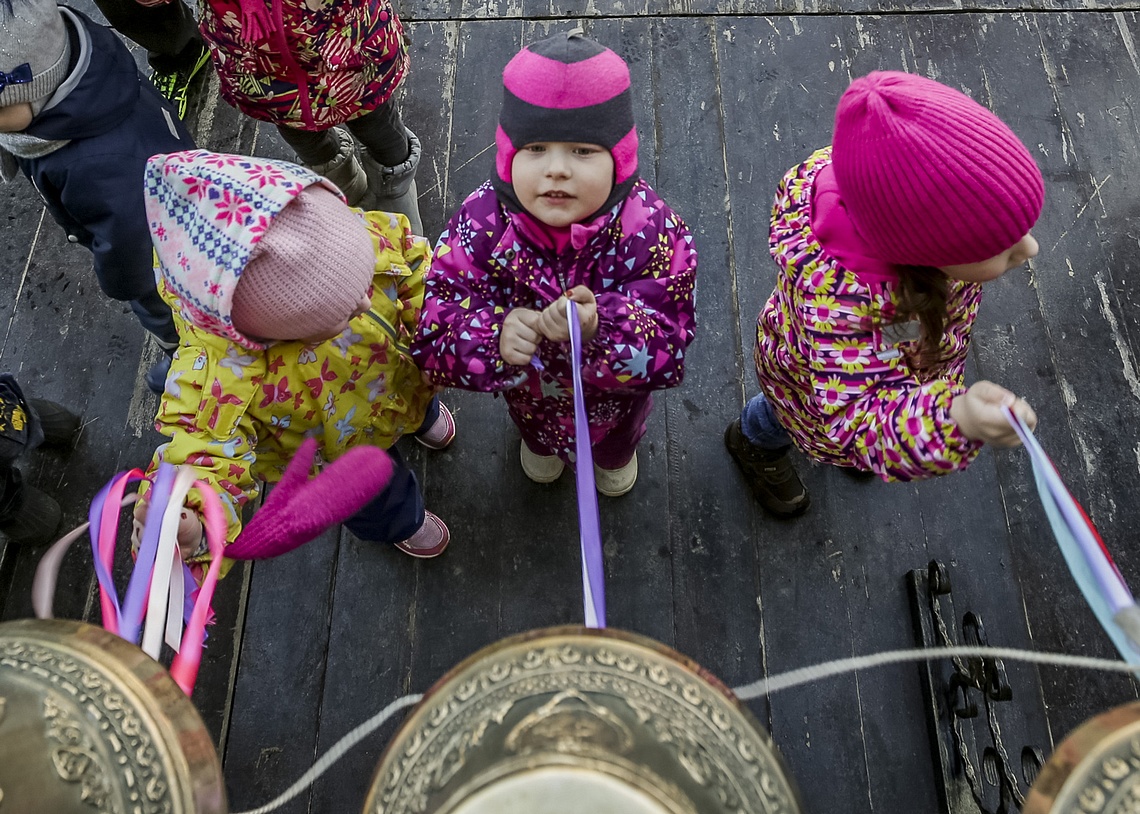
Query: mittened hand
pixel 978 414
pixel 299 509
pixel 553 324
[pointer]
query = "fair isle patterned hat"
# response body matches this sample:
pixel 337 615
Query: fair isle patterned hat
pixel 207 213
pixel 567 88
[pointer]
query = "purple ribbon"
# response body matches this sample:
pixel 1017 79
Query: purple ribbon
pixel 138 588
pixel 590 530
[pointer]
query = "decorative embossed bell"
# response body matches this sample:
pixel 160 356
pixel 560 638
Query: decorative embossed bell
pixel 89 723
pixel 1095 769
pixel 576 719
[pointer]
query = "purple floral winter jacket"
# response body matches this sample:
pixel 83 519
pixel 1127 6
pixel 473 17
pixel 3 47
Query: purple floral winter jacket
pixel 637 259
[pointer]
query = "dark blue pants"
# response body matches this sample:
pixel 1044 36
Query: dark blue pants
pixel 155 316
pixel 397 512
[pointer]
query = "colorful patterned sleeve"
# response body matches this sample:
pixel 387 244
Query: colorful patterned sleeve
pixel 203 413
pixel 646 321
pixel 876 409
pixel 466 300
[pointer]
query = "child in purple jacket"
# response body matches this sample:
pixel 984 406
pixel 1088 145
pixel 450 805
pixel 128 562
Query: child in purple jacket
pixel 564 217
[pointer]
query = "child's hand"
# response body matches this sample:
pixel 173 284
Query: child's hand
pixel 189 530
pixel 978 414
pixel 554 325
pixel 520 337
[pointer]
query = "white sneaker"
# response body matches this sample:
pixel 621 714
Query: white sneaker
pixel 616 482
pixel 540 468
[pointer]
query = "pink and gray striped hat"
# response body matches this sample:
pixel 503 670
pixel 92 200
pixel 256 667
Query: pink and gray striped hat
pixel 567 88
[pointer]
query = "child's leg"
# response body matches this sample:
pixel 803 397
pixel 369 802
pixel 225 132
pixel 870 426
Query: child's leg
pixel 168 32
pixel 391 157
pixel 759 445
pixel 615 456
pixel 155 315
pixel 760 426
pixel 620 444
pixel 311 146
pixel 27 515
pixel 382 133
pixel 331 153
pixel 396 513
pixel 397 516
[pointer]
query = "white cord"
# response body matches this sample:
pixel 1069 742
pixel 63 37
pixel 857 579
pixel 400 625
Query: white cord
pixel 765 686
pixel 804 675
pixel 338 751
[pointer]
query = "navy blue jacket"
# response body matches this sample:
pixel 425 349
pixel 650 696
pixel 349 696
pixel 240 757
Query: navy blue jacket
pixel 93 186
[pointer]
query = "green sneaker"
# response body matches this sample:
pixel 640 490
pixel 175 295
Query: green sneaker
pixel 175 85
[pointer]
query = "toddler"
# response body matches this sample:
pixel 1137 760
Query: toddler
pixel 80 122
pixel 565 216
pixel 295 313
pixel 883 242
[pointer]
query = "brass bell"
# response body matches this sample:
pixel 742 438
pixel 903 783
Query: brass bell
pixel 90 723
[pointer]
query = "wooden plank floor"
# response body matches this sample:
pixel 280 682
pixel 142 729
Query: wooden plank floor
pixel 728 96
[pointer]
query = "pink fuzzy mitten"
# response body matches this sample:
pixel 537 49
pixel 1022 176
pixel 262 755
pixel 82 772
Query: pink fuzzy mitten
pixel 299 509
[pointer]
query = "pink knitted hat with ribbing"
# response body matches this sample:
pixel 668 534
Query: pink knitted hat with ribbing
pixel 308 272
pixel 928 175
pixel 567 88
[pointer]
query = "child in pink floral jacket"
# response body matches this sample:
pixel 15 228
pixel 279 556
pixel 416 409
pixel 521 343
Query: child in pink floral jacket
pixel 883 242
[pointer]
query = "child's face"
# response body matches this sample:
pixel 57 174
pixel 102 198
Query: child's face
pixel 15 118
pixel 561 182
pixel 986 270
pixel 363 305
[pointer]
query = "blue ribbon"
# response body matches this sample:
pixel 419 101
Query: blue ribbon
pixel 21 75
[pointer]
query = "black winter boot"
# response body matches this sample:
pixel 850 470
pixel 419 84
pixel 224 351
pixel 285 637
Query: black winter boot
pixel 769 473
pixel 58 423
pixel 27 515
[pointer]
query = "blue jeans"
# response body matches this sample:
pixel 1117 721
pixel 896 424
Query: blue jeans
pixel 397 512
pixel 760 426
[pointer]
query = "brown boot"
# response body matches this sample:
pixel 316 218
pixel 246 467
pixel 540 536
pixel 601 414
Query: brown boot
pixel 769 473
pixel 27 515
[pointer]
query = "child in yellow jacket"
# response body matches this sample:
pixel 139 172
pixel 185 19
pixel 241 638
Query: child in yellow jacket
pixel 296 313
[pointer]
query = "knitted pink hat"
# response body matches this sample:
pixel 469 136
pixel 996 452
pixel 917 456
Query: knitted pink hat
pixel 567 88
pixel 308 272
pixel 929 176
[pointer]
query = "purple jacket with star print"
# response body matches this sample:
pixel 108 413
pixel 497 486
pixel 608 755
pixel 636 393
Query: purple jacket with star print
pixel 638 260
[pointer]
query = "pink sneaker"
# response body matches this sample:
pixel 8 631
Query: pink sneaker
pixel 441 433
pixel 429 541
